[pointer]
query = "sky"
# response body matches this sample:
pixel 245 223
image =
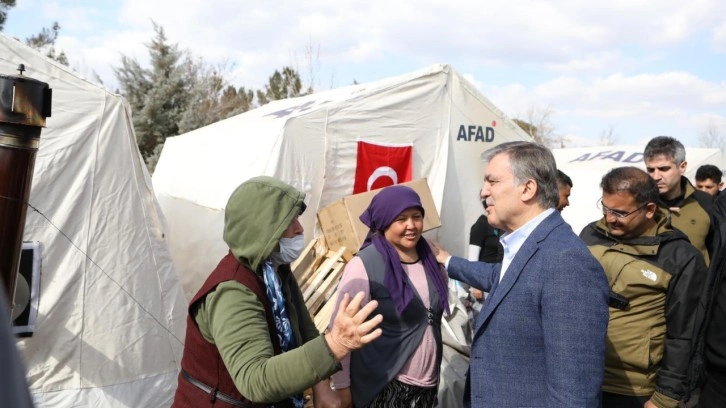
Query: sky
pixel 631 69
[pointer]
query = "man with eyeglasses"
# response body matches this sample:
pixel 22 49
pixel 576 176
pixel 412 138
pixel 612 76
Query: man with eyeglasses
pixel 689 209
pixel 656 277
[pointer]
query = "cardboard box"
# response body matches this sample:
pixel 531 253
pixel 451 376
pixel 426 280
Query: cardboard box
pixel 342 227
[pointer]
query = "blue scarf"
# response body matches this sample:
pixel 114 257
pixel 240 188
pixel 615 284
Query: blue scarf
pixel 282 320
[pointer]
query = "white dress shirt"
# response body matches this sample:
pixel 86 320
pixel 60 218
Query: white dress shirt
pixel 514 240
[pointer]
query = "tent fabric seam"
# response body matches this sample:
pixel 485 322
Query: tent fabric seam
pixel 135 157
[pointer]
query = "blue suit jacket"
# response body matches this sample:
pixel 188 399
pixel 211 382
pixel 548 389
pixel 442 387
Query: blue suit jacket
pixel 539 339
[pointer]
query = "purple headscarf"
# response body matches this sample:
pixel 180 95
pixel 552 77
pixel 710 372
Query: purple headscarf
pixel 381 212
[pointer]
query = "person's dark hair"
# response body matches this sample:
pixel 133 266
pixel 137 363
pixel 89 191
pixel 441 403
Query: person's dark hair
pixel 666 146
pixel 633 181
pixel 563 178
pixel 709 171
pixel 531 161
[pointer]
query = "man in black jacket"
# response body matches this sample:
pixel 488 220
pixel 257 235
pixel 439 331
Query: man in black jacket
pixel 689 209
pixel 713 394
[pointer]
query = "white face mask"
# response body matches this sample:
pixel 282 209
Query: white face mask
pixel 290 249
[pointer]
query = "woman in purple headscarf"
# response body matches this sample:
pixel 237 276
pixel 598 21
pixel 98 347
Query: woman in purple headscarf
pixel 396 267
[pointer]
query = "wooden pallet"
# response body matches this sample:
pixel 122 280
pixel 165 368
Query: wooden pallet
pixel 318 271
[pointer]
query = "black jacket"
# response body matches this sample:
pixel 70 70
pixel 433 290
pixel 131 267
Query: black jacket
pixel 693 217
pixel 716 327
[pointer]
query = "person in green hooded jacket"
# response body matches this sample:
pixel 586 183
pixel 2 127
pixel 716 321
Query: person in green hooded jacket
pixel 250 340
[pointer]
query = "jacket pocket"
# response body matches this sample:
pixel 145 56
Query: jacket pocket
pixel 656 348
pixel 642 361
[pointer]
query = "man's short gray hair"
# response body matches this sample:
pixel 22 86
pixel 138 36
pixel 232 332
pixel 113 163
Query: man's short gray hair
pixel 667 146
pixel 531 161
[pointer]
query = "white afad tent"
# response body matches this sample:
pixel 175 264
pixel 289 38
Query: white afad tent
pixel 587 165
pixel 433 118
pixel 110 313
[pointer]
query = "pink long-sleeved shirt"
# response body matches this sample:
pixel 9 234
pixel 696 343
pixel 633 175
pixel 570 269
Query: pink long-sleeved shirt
pixel 420 369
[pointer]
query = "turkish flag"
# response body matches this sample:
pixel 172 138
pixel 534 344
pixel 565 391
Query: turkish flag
pixel 380 166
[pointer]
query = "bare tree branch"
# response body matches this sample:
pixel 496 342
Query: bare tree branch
pixel 608 137
pixel 713 136
pixel 537 123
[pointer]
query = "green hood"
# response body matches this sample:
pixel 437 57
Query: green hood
pixel 257 214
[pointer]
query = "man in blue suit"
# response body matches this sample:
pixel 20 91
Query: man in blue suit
pixel 539 340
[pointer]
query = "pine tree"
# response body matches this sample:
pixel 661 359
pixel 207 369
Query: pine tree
pixel 5 5
pixel 281 86
pixel 178 93
pixel 45 41
pixel 158 96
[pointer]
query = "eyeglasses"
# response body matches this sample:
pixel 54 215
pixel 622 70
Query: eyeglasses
pixel 617 214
